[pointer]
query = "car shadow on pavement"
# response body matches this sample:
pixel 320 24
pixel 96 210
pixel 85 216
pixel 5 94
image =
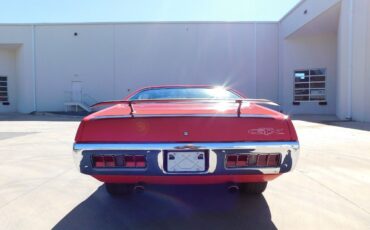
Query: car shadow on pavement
pixel 171 207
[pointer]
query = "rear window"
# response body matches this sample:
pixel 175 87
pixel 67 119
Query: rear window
pixel 185 93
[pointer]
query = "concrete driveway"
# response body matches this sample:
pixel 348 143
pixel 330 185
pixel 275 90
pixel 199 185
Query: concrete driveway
pixel 40 187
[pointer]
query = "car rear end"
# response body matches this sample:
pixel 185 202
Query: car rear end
pixel 188 143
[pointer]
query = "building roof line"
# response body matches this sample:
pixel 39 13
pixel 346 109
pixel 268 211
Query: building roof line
pixel 291 10
pixel 137 22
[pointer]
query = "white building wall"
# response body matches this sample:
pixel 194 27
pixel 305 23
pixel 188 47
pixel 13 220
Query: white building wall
pixel 7 68
pixel 367 82
pixel 312 52
pixel 360 60
pixel 297 17
pixel 21 36
pixel 306 43
pixel 267 56
pixel 62 57
pixel 112 60
pixel 354 61
pixel 343 110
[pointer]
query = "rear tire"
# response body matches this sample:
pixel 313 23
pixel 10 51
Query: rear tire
pixel 253 188
pixel 119 189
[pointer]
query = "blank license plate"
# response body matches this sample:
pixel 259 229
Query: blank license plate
pixel 186 161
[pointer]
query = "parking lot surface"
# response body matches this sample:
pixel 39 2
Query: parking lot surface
pixel 40 187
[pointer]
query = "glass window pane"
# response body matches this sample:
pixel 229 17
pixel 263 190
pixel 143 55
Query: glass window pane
pixel 317 78
pixel 301 98
pixel 300 73
pixel 3 94
pixel 301 91
pixel 317 97
pixel 3 84
pixel 3 78
pixel 300 86
pixel 301 76
pixel 317 72
pixel 317 85
pixel 3 98
pixel 317 91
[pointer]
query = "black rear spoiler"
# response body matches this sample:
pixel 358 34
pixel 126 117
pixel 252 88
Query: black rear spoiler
pixel 239 101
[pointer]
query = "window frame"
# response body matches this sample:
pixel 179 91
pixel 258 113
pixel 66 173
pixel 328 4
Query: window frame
pixel 309 85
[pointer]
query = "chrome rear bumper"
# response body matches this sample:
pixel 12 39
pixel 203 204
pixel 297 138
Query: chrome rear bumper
pixel 289 155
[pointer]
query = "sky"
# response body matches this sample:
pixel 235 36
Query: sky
pixel 54 11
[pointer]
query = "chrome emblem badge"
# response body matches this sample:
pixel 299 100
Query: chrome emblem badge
pixel 186 133
pixel 266 131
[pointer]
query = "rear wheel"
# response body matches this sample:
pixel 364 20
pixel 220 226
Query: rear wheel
pixel 253 188
pixel 119 189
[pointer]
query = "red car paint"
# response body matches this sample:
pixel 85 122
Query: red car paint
pixel 219 179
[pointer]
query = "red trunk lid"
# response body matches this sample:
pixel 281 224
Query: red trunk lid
pixel 185 122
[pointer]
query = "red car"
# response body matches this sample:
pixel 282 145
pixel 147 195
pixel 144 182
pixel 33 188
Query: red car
pixel 186 135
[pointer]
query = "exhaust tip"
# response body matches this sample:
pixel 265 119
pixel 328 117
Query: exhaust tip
pixel 233 188
pixel 139 188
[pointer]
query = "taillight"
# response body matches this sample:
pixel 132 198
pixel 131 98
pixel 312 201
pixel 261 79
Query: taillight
pixel 119 161
pixel 110 161
pixel 129 161
pixel 140 161
pixel 262 160
pixel 252 160
pixel 98 161
pixel 273 160
pixel 134 161
pixel 242 161
pixel 231 161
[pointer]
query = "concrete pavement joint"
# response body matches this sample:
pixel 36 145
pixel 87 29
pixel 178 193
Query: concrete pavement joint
pixel 35 188
pixel 336 193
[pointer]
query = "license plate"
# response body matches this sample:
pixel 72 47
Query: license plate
pixel 186 161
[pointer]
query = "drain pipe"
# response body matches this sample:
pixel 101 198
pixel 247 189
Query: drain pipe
pixel 34 69
pixel 350 62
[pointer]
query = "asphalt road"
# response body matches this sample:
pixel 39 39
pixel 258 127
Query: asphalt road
pixel 40 187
